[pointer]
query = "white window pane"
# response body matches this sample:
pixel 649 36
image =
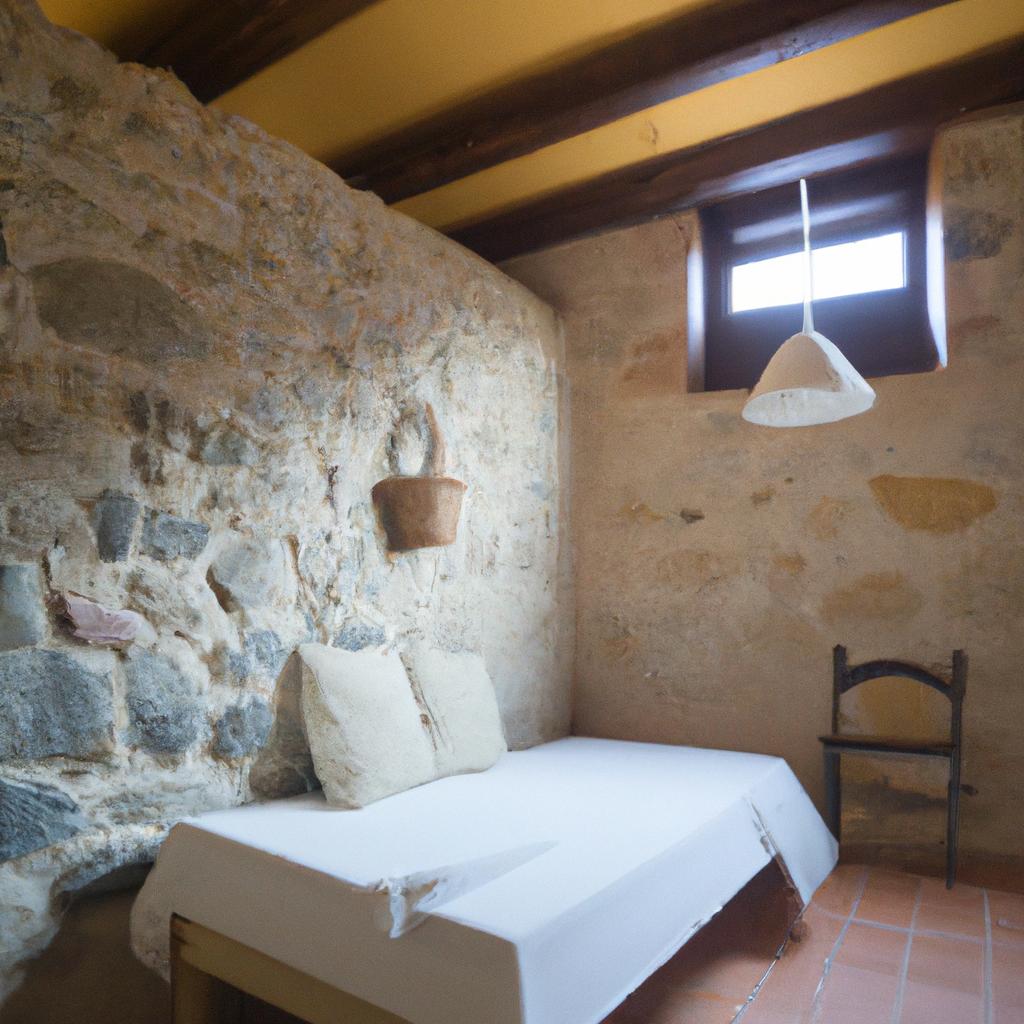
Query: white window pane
pixel 775 282
pixel 868 265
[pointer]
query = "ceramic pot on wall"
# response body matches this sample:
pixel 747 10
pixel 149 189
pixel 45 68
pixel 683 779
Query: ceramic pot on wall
pixel 421 511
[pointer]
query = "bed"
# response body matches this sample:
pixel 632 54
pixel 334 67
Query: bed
pixel 542 891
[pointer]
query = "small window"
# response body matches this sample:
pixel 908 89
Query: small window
pixel 870 289
pixel 875 264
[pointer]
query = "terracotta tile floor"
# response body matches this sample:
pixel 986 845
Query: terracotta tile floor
pixel 879 947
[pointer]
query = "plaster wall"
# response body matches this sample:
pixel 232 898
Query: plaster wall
pixel 719 562
pixel 210 351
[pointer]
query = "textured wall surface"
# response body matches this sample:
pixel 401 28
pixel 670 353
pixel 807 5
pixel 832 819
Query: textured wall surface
pixel 210 350
pixel 718 562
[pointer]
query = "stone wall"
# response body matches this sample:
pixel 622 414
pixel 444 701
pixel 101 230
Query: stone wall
pixel 210 350
pixel 719 562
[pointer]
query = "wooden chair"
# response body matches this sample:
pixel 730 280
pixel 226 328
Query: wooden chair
pixel 845 677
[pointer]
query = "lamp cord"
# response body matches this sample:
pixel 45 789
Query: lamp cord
pixel 808 265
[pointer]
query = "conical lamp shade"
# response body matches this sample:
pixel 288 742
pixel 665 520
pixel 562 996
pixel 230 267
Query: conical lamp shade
pixel 808 381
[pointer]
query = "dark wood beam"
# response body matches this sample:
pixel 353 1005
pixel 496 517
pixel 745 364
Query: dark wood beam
pixel 698 48
pixel 899 117
pixel 223 42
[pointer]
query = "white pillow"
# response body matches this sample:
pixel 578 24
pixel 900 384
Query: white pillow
pixel 456 693
pixel 375 730
pixel 364 727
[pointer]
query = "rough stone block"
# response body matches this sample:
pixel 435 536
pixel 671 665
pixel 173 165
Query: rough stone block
pixel 114 522
pixel 112 307
pixel 164 710
pixel 118 859
pixel 34 816
pixel 284 765
pixel 177 424
pixel 242 729
pixel 262 654
pixel 52 704
pixel 354 636
pixel 249 574
pixel 268 407
pixel 34 522
pixel 227 447
pixel 165 537
pixel 265 652
pixel 22 614
pixel 137 410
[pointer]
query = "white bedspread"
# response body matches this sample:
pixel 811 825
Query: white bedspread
pixel 551 885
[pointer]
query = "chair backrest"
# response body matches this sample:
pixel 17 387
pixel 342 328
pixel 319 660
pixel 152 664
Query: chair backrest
pixel 846 676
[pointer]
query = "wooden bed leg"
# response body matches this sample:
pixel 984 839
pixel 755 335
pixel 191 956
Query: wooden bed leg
pixel 798 926
pixel 794 904
pixel 198 997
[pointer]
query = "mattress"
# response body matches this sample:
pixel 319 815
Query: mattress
pixel 542 891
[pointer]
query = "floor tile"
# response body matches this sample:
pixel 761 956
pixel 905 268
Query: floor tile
pixel 877 950
pixel 762 1014
pixel 714 975
pixel 861 985
pixel 730 975
pixel 854 995
pixel 840 889
pixel 889 897
pixel 819 928
pixel 956 911
pixel 698 1009
pixel 954 965
pixel 1006 911
pixel 793 981
pixel 933 1004
pixel 1008 984
pixel 679 1007
pixel 933 890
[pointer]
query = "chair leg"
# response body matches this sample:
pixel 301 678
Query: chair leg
pixel 952 820
pixel 833 801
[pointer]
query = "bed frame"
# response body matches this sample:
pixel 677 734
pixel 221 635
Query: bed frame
pixel 230 962
pixel 212 975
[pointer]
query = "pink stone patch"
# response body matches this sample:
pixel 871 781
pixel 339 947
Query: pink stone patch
pixel 98 625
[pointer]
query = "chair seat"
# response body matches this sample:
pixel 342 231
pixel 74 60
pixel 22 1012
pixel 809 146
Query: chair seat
pixel 888 745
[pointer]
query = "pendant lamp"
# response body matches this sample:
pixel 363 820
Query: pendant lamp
pixel 808 381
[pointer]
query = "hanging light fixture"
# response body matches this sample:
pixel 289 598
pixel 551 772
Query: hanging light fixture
pixel 808 381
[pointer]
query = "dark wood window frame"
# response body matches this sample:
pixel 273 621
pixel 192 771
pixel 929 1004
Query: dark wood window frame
pixel 881 333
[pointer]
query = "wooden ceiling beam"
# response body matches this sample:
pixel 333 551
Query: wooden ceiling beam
pixel 697 49
pixel 898 117
pixel 223 42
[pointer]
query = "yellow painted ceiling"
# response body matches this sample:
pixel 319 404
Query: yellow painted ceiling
pixel 398 61
pixel 841 70
pixel 392 63
pixel 124 26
